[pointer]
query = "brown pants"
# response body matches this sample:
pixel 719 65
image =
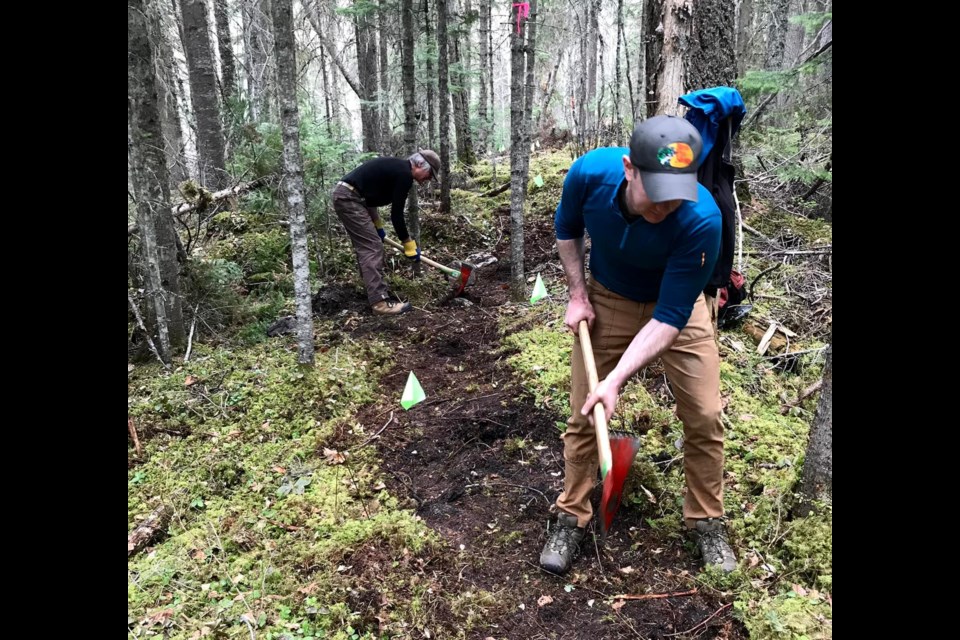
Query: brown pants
pixel 357 219
pixel 693 368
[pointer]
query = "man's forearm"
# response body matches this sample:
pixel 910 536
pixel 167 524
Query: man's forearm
pixel 655 338
pixel 571 257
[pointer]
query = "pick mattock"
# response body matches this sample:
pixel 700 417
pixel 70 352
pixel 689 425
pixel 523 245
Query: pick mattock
pixel 464 275
pixel 616 450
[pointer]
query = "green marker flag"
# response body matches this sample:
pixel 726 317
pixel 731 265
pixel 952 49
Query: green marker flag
pixel 539 291
pixel 412 393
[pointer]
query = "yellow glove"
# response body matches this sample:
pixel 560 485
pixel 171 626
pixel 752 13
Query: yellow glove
pixel 411 250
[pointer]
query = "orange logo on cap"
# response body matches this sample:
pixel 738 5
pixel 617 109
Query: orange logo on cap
pixel 676 154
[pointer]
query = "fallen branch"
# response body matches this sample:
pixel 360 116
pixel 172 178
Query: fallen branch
pixel 148 529
pixel 187 207
pixel 806 393
pixel 654 596
pixel 133 434
pixel 495 192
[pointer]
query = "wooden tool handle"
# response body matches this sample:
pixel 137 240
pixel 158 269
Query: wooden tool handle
pixel 599 412
pixel 453 273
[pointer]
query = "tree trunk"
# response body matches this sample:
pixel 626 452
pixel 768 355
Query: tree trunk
pixel 817 481
pixel 529 90
pixel 461 108
pixel 712 58
pixel 617 122
pixel 313 15
pixel 151 183
pixel 228 67
pixel 593 37
pixel 408 69
pixel 677 31
pixel 745 33
pixel 653 21
pixel 258 43
pixel 517 151
pixel 483 131
pixel 284 47
pixel 168 99
pixel 444 91
pixel 203 94
pixel 383 96
pixel 431 92
pixel 776 34
pixel 367 76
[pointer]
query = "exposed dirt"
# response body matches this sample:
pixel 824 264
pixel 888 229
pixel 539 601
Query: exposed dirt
pixel 455 458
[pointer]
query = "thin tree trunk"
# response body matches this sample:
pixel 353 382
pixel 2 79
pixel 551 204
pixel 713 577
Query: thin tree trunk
pixel 551 88
pixel 444 95
pixel 367 75
pixel 593 38
pixel 151 183
pixel 653 23
pixel 744 31
pixel 431 92
pixel 530 89
pixel 626 56
pixel 483 131
pixel 817 481
pixel 409 107
pixel 227 65
pixel 386 132
pixel 284 47
pixel 517 151
pixel 617 122
pixel 493 118
pixel 203 94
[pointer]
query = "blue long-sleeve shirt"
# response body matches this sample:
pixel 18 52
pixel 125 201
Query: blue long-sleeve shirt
pixel 669 262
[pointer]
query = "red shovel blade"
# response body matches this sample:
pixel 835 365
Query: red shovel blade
pixel 623 449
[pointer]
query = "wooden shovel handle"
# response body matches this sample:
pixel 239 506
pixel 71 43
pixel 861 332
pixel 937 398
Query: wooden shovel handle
pixel 453 273
pixel 599 412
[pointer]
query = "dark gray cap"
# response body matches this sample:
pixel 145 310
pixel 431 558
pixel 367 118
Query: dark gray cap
pixel 666 150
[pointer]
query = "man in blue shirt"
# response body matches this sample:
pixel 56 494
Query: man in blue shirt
pixel 655 236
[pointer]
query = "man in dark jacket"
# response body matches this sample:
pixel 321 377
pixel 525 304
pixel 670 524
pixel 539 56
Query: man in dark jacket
pixel 375 183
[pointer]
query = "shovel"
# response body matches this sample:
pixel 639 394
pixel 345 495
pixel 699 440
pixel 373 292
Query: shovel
pixel 464 275
pixel 616 450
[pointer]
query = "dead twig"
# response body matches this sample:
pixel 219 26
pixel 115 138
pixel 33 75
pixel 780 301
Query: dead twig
pixel 520 486
pixel 193 325
pixel 133 434
pixel 654 596
pixel 374 436
pixel 694 628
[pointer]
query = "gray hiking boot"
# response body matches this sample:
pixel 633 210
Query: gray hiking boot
pixel 564 544
pixel 710 535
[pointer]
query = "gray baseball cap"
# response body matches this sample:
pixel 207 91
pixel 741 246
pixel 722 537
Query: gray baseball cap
pixel 434 161
pixel 666 150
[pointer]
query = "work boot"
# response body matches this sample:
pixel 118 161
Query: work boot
pixel 564 544
pixel 710 535
pixel 390 308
